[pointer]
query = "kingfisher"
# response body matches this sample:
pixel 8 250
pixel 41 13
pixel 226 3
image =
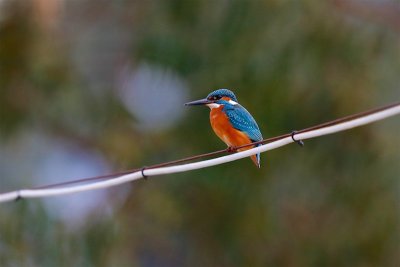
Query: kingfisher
pixel 231 122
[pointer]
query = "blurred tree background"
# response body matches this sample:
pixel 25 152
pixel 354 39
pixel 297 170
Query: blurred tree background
pixel 91 87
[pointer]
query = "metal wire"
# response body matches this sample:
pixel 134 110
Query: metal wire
pixel 347 122
pixel 219 152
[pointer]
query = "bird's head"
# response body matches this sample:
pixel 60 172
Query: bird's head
pixel 216 99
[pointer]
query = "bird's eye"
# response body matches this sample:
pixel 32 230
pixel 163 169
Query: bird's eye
pixel 215 97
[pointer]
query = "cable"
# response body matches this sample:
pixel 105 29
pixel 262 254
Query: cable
pixel 219 152
pixel 337 125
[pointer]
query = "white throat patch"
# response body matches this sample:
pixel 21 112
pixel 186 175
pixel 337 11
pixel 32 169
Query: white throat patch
pixel 213 105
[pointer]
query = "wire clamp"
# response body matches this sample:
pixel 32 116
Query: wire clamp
pixel 142 171
pixel 18 196
pixel 299 142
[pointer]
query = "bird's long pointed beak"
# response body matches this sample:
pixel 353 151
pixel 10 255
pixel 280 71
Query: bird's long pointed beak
pixel 204 101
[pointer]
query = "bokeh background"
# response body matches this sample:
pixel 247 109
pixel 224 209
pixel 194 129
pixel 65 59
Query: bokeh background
pixel 92 87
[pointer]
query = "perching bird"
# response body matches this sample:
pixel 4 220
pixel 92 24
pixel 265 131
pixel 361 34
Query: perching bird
pixel 231 122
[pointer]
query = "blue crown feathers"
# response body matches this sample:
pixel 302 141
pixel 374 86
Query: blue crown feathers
pixel 221 93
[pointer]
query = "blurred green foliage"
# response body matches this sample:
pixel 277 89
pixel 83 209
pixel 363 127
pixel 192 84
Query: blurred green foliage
pixel 291 63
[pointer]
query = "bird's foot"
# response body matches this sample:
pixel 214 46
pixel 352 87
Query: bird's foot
pixel 231 149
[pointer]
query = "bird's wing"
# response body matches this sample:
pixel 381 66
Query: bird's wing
pixel 242 120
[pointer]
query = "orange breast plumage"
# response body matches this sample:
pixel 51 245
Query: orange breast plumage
pixel 225 131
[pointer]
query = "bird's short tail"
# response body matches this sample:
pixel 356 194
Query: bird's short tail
pixel 256 160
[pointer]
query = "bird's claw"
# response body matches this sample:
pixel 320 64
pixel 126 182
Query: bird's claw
pixel 231 149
